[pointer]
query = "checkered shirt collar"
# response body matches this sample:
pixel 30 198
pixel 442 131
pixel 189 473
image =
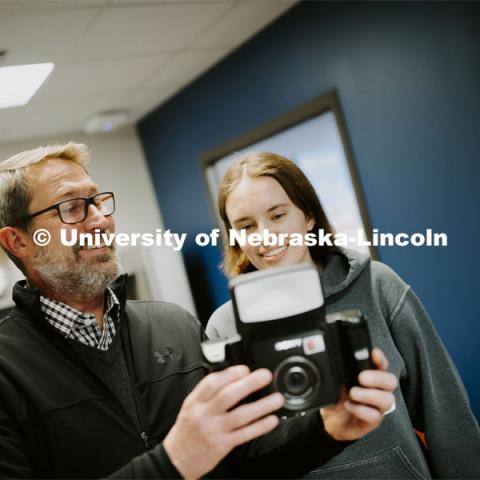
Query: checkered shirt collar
pixel 73 324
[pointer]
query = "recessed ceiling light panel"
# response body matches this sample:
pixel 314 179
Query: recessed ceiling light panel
pixel 18 83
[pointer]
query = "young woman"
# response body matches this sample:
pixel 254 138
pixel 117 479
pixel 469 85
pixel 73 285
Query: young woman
pixel 432 431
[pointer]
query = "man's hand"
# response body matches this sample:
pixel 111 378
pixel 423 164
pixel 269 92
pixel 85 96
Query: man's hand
pixel 209 425
pixel 363 408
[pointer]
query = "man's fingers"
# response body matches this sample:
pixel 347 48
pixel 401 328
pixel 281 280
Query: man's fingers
pixel 378 379
pixel 245 414
pixel 254 430
pixel 379 359
pixel 378 399
pixel 236 391
pixel 214 382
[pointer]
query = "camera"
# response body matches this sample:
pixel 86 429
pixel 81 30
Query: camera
pixel 282 325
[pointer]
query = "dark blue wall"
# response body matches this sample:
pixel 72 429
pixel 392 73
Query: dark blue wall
pixel 408 78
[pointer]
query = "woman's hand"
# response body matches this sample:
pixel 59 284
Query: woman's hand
pixel 361 410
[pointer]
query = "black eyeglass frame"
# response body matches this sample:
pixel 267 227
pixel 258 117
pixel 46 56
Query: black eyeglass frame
pixel 88 201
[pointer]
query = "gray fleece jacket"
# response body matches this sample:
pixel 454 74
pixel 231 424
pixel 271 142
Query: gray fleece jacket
pixel 431 398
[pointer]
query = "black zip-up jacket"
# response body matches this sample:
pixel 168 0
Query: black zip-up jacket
pixel 58 419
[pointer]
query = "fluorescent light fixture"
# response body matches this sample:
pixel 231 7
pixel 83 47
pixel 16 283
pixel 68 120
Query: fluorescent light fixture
pixel 19 83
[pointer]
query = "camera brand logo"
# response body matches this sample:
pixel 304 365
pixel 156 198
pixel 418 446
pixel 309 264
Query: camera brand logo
pixel 313 344
pixel 288 344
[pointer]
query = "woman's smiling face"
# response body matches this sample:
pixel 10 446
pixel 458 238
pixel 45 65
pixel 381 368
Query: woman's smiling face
pixel 260 203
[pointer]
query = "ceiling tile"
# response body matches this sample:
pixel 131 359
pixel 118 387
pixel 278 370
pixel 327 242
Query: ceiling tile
pixel 58 117
pixel 93 78
pixel 184 67
pixel 147 99
pixel 62 116
pixel 148 28
pixel 242 22
pixel 42 35
pixel 8 117
pixel 32 5
pixel 133 3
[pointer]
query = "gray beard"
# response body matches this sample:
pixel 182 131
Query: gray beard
pixel 72 276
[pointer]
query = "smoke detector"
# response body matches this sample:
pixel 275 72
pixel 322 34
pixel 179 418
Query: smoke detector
pixel 106 121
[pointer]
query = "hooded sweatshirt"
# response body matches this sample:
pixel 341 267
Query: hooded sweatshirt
pixel 431 399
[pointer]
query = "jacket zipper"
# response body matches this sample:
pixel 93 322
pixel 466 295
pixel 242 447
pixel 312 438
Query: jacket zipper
pixel 141 419
pixel 145 440
pixel 140 413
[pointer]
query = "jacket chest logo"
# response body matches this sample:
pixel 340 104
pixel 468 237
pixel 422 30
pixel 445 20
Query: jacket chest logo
pixel 165 355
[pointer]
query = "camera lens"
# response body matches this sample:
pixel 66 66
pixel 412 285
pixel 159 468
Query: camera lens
pixel 296 380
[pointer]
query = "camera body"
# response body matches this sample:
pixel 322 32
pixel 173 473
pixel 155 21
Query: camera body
pixel 282 326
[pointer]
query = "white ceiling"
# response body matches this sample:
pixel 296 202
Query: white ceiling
pixel 111 54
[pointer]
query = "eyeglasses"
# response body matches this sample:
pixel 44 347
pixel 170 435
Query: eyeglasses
pixel 75 210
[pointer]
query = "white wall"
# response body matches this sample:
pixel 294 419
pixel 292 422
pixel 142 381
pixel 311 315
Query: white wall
pixel 118 164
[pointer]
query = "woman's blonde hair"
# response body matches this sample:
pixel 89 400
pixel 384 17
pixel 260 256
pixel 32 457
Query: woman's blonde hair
pixel 297 187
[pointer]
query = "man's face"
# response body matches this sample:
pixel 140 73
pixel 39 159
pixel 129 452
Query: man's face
pixel 70 269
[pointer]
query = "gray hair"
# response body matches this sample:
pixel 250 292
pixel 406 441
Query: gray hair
pixel 15 190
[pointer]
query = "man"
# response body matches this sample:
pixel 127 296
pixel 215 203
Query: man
pixel 82 391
